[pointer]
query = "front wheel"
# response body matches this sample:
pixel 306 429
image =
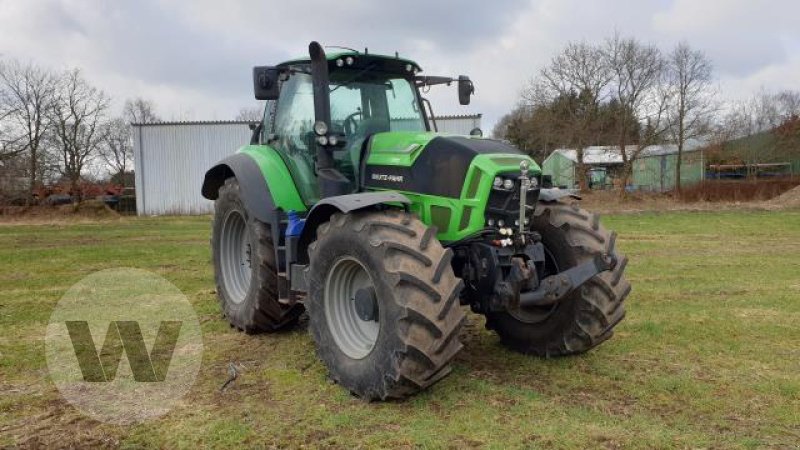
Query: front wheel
pixel 585 318
pixel 383 303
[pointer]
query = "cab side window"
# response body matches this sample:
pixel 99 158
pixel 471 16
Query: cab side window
pixel 294 135
pixel 267 121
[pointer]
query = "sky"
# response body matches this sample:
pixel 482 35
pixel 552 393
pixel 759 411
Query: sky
pixel 193 59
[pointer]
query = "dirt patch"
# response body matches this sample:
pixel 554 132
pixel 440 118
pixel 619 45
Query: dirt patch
pixel 90 210
pixel 610 202
pixel 789 199
pixel 737 190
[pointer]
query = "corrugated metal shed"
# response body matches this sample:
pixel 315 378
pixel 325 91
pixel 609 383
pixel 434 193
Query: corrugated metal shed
pixel 171 158
pixel 654 170
pixel 561 168
pixel 458 124
pixel 657 172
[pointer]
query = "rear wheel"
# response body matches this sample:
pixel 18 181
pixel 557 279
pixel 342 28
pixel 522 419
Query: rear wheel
pixel 587 317
pixel 383 303
pixel 244 267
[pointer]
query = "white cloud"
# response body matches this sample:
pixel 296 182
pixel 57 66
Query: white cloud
pixel 193 58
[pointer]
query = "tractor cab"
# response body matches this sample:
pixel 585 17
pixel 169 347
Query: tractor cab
pixel 323 111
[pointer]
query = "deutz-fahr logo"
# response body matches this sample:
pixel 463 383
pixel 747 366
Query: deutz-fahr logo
pixel 385 177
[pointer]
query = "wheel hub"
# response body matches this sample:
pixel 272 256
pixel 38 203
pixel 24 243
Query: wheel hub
pixel 351 307
pixel 366 303
pixel 235 256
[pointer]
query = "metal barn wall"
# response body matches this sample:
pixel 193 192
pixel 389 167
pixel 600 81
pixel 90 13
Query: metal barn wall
pixel 458 124
pixel 650 173
pixel 657 173
pixel 561 168
pixel 170 160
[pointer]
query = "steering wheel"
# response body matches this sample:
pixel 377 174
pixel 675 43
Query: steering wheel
pixel 350 124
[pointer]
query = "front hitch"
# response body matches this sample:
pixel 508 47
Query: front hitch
pixel 554 288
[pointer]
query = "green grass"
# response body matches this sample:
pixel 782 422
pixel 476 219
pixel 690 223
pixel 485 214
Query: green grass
pixel 708 356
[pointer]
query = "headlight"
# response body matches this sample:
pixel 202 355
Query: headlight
pixel 339 62
pixel 508 184
pixel 320 128
pixel 333 140
pixel 322 140
pixel 534 183
pixel 349 60
pixel 497 182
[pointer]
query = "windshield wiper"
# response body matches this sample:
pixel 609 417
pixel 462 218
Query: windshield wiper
pixel 355 77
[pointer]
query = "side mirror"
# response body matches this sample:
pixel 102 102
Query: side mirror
pixel 476 132
pixel 265 83
pixel 465 89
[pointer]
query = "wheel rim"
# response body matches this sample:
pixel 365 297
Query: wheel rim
pixel 235 256
pixel 354 336
pixel 536 314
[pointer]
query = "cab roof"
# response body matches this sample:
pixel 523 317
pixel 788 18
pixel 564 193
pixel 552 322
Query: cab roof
pixel 387 63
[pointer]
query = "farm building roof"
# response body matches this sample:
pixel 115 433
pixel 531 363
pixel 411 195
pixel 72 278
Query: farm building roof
pixel 608 154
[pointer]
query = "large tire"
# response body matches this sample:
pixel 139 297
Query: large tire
pixel 244 267
pixel 588 316
pixel 416 294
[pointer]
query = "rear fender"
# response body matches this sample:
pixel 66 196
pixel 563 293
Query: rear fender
pixel 265 181
pixel 255 191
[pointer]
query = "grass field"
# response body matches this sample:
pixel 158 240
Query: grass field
pixel 708 356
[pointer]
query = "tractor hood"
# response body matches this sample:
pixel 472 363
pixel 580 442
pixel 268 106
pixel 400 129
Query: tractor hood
pixel 432 163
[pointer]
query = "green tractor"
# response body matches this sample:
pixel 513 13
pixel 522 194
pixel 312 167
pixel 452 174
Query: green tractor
pixel 349 205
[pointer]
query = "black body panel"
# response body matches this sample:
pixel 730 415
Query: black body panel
pixel 439 170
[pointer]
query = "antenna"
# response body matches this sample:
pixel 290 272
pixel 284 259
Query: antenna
pixel 342 48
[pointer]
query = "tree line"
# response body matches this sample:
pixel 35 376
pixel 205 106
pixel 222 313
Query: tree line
pixel 629 94
pixel 53 125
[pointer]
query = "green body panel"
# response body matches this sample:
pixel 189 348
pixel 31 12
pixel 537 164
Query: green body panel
pixel 455 218
pixel 398 148
pixel 279 181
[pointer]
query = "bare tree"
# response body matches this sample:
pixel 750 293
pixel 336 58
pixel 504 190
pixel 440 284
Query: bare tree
pixel 139 110
pixel 77 116
pixel 26 96
pixel 638 86
pixel 691 106
pixel 766 114
pixel 580 74
pixel 117 148
pixel 250 114
pixel 789 102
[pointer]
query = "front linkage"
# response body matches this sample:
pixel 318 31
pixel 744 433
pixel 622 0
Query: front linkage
pixel 503 270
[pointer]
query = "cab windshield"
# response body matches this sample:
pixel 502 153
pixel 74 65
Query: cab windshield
pixel 366 103
pixel 362 104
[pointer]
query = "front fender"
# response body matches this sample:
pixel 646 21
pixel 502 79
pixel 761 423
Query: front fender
pixel 322 212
